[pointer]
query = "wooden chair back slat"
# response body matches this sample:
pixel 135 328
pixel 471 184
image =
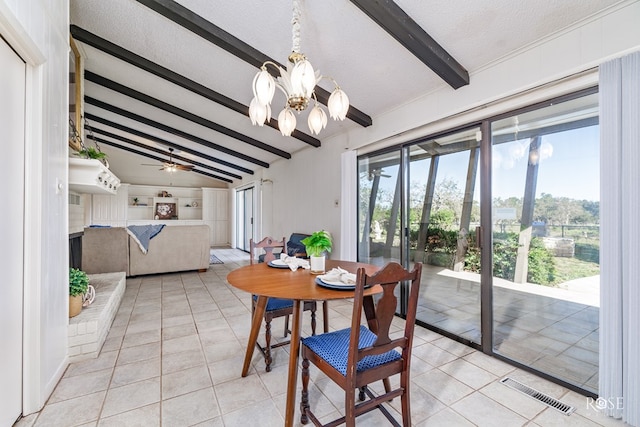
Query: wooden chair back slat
pixel 268 244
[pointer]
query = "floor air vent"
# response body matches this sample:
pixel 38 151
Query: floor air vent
pixel 546 399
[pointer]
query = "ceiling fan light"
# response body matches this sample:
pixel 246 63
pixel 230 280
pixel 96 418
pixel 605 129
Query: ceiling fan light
pixel 259 114
pixel 264 87
pixel 338 104
pixel 286 121
pixel 317 120
pixel 303 78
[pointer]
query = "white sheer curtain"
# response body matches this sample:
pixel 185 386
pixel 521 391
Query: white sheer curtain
pixel 620 238
pixel 349 206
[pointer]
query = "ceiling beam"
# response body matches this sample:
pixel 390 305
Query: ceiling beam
pixel 405 30
pixel 216 35
pixel 98 119
pixel 129 57
pixel 142 97
pixel 154 149
pixel 172 130
pixel 151 156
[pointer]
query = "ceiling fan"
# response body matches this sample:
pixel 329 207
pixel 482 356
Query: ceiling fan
pixel 377 172
pixel 171 166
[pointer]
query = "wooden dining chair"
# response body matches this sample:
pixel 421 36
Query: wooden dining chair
pixel 276 307
pixel 357 356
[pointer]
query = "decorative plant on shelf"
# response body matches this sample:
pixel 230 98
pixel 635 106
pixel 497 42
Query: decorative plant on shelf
pixel 78 285
pixel 92 153
pixel 317 245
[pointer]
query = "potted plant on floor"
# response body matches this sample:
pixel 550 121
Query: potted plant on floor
pixel 78 285
pixel 317 246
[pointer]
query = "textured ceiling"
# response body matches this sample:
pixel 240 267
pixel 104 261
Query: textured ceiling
pixel 376 71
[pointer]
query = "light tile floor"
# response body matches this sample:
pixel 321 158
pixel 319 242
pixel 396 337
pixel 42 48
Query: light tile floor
pixel 174 354
pixel 550 334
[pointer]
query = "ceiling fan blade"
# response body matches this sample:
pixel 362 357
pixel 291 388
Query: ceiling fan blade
pixel 186 168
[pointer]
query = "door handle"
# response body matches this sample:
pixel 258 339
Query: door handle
pixel 479 237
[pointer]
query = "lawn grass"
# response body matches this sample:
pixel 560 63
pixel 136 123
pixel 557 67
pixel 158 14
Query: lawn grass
pixel 572 268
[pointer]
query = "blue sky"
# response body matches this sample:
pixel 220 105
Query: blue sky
pixel 571 169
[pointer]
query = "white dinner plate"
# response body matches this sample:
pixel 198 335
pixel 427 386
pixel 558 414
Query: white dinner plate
pixel 277 263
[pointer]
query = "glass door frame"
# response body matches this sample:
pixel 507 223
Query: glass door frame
pixel 242 222
pixel 485 235
pixel 486 185
pixel 406 160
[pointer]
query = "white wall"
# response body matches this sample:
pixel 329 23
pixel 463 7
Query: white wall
pixel 305 187
pixel 77 213
pixel 39 32
pixel 302 196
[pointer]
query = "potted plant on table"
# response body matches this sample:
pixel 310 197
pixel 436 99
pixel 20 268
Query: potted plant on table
pixel 78 285
pixel 317 246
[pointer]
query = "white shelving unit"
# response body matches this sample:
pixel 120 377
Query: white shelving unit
pixel 136 205
pixel 143 201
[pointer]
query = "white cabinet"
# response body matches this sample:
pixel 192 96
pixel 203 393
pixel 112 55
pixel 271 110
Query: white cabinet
pixel 215 212
pixel 109 209
pixel 137 205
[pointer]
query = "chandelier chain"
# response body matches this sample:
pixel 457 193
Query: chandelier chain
pixel 295 24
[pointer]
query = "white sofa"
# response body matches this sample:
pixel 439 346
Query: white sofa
pixel 175 248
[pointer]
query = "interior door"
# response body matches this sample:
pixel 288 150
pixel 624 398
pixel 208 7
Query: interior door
pixel 244 220
pixel 12 87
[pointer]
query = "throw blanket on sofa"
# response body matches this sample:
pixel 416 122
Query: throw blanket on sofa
pixel 142 234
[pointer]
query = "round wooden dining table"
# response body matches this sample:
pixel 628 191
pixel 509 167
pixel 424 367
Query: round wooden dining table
pixel 299 286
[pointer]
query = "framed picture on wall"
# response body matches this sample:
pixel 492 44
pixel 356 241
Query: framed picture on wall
pixel 165 211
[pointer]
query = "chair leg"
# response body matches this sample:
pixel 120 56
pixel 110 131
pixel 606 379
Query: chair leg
pixel 313 321
pixel 325 316
pixel 405 400
pixel 387 385
pixel 349 408
pixel 406 410
pixel 286 325
pixel 304 401
pixel 362 394
pixel 267 347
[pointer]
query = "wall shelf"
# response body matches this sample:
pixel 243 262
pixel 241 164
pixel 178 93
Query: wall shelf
pixel 91 176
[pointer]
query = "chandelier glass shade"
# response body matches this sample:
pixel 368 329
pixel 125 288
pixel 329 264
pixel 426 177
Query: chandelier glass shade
pixel 297 82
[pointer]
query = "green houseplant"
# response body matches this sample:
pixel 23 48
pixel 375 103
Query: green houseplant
pixel 317 245
pixel 78 285
pixel 92 153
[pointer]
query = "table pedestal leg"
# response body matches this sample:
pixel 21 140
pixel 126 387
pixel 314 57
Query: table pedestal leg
pixel 256 322
pixel 294 350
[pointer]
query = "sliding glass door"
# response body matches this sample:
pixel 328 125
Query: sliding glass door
pixel 379 231
pixel 520 282
pixel 443 214
pixel 244 218
pixel 545 227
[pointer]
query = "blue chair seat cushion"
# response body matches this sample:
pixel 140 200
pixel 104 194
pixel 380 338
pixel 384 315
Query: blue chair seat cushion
pixel 333 347
pixel 276 303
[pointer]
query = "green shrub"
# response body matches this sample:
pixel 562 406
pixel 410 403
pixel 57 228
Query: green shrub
pixel 589 252
pixel 541 265
pixel 78 282
pixel 441 240
pixel 504 257
pixel 472 260
pixel 541 269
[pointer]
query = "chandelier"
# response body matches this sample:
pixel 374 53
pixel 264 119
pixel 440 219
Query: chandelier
pixel 297 83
